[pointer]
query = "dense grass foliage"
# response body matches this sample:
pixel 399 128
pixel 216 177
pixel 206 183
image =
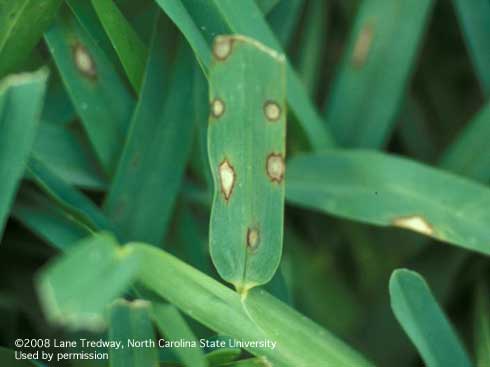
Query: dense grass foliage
pixel 266 182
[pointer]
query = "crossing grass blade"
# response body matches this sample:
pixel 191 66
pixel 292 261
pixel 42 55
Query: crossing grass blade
pixel 424 322
pixel 126 42
pixel 229 17
pixel 22 23
pixel 144 189
pixel 284 18
pixel 366 95
pixel 131 321
pixel 21 101
pixel 246 145
pixel 194 293
pixel 385 190
pixel 473 18
pixel 97 92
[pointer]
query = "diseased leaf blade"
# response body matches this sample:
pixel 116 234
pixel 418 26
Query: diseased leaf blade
pixel 424 322
pixel 246 145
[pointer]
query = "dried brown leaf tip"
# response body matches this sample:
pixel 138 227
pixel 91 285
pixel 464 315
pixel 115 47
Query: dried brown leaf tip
pixel 227 178
pixel 363 45
pixel 253 238
pixel 272 111
pixel 217 108
pixel 415 223
pixel 222 47
pixel 275 167
pixel 84 61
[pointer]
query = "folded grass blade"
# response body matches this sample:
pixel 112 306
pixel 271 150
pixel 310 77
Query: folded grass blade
pixel 22 23
pixel 385 190
pixel 21 101
pixel 370 85
pixel 246 145
pixel 424 322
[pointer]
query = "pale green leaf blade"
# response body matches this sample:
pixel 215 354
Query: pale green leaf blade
pixel 21 101
pixel 386 190
pixel 130 321
pixel 22 23
pixel 246 145
pixel 366 95
pixel 130 48
pixel 424 322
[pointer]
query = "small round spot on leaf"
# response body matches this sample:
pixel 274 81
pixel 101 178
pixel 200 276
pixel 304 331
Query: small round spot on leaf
pixel 83 61
pixel 253 239
pixel 227 178
pixel 217 108
pixel 272 111
pixel 415 223
pixel 275 167
pixel 222 47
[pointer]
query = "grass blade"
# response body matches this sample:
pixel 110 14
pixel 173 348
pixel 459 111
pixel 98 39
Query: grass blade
pixel 156 150
pixel 482 326
pixel 196 294
pixel 473 17
pixel 424 322
pixel 21 101
pixel 96 91
pixel 173 326
pixel 231 19
pixel 366 95
pixel 131 50
pixel 131 321
pixel 22 23
pixel 385 190
pixel 284 18
pixel 247 131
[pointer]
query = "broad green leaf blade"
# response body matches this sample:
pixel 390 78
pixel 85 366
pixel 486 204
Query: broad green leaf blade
pixel 196 294
pixel 48 221
pixel 366 94
pixel 131 50
pixel 466 155
pixel 482 325
pixel 473 18
pixel 150 171
pixel 22 23
pixel 131 321
pixel 72 201
pixel 76 298
pixel 246 145
pixel 173 326
pixel 21 101
pixel 245 18
pixel 66 152
pixel 386 190
pixel 96 90
pixel 424 322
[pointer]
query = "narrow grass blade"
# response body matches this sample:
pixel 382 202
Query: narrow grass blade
pixel 246 144
pixel 465 156
pixel 131 50
pixel 65 151
pixel 366 94
pixel 173 327
pixel 131 321
pixel 245 18
pixel 77 299
pixel 385 190
pixel 150 171
pixel 482 325
pixel 267 5
pixel 284 18
pixel 424 322
pixel 96 91
pixel 196 294
pixel 58 109
pixel 21 101
pixel 473 18
pixel 54 225
pixel 22 23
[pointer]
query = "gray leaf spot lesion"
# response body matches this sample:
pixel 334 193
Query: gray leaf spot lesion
pixel 84 62
pixel 363 45
pixel 227 178
pixel 275 167
pixel 272 111
pixel 253 239
pixel 222 47
pixel 217 107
